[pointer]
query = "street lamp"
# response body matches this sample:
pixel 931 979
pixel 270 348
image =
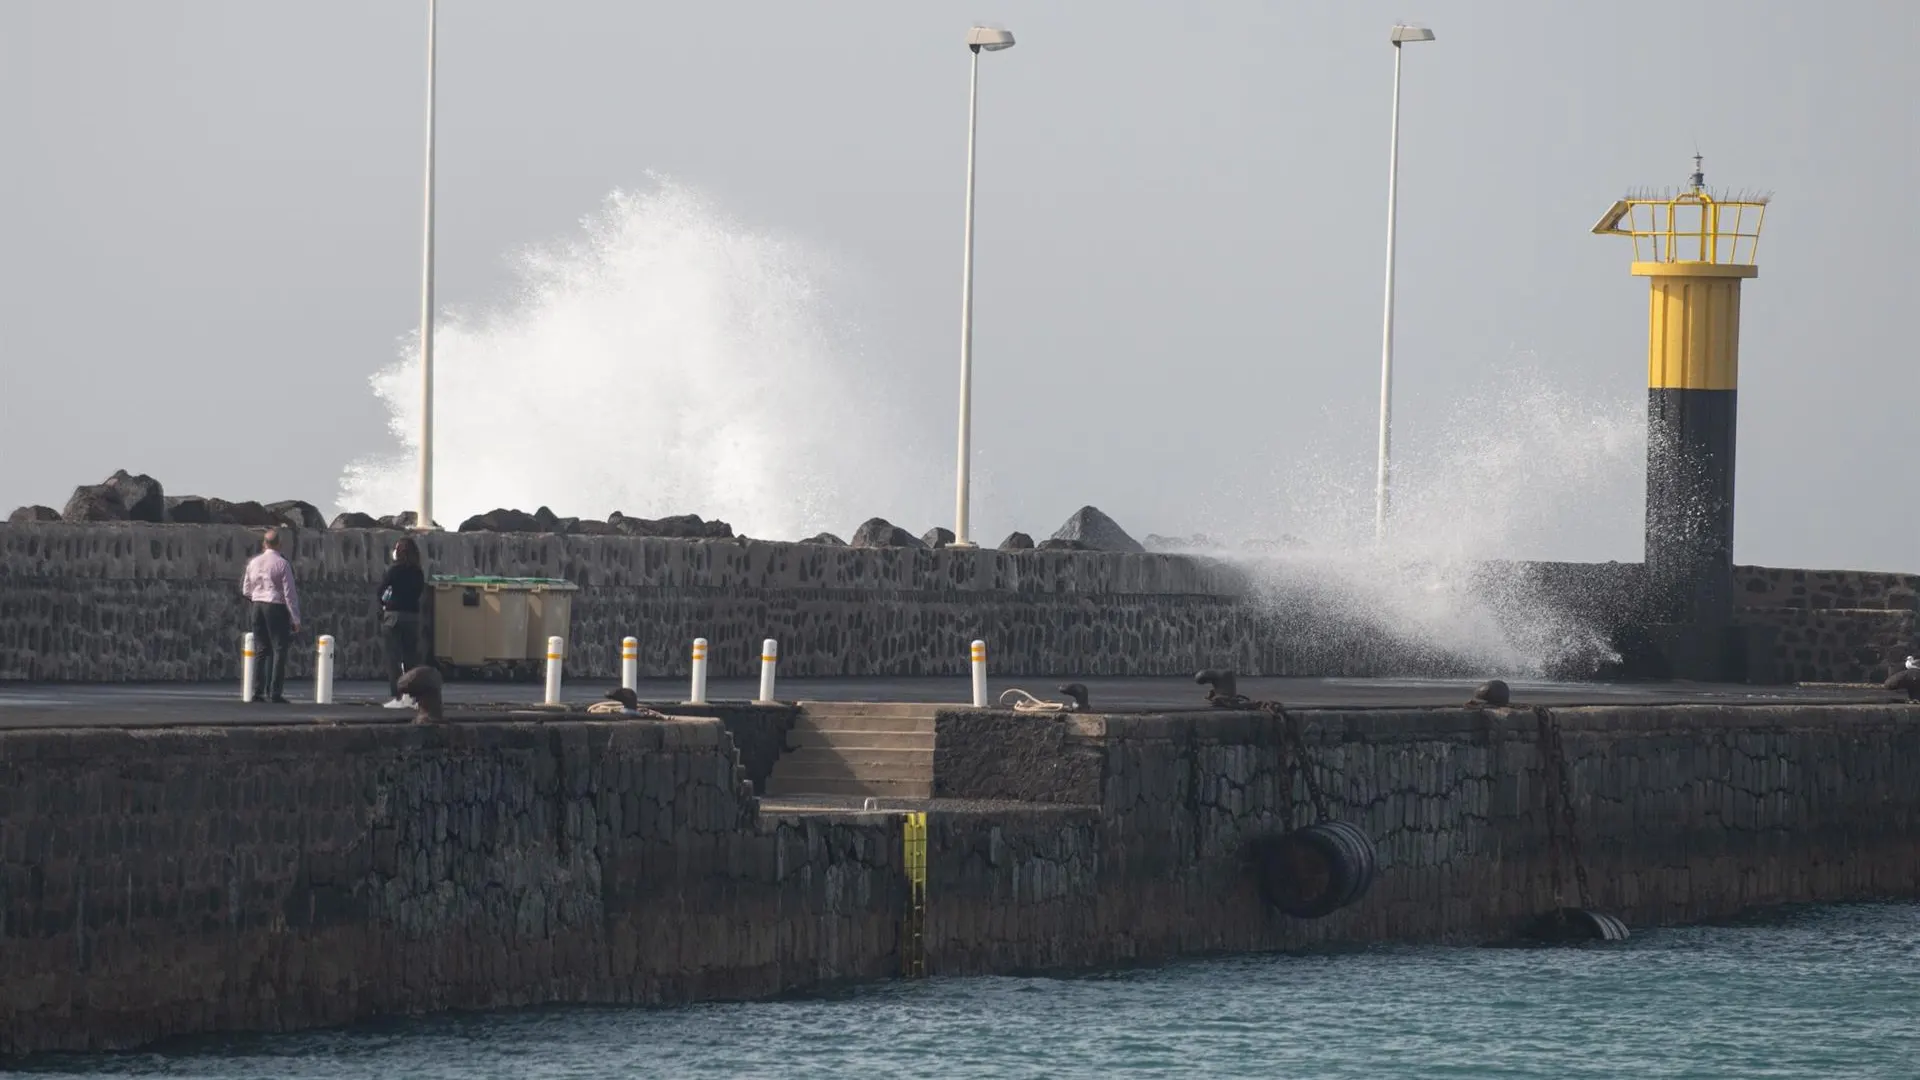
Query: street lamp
pixel 424 513
pixel 991 40
pixel 1401 34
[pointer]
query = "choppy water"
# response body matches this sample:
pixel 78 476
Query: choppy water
pixel 1832 992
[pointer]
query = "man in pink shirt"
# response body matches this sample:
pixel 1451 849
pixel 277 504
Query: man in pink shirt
pixel 268 583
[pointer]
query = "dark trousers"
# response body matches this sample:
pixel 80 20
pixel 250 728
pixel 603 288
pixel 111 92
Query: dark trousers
pixel 273 633
pixel 400 633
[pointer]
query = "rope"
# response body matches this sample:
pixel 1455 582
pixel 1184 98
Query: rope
pixel 1026 702
pixel 614 708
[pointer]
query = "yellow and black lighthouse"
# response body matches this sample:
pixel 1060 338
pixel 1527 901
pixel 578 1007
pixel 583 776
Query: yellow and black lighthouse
pixel 1695 248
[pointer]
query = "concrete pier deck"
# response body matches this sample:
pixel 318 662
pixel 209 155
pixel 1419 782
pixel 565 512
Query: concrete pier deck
pixel 36 705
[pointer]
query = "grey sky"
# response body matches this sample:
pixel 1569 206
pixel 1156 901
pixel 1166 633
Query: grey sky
pixel 212 217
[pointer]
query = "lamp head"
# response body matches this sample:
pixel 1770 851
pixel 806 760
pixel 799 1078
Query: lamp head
pixel 990 38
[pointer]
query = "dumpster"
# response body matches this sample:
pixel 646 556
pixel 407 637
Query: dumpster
pixel 497 626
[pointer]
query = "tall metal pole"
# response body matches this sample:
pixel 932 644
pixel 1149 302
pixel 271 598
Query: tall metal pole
pixel 1381 497
pixel 960 538
pixel 424 512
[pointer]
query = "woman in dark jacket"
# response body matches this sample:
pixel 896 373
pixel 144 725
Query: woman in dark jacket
pixel 400 594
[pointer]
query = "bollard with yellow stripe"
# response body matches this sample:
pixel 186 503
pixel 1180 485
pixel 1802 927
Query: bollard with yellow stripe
pixel 1695 247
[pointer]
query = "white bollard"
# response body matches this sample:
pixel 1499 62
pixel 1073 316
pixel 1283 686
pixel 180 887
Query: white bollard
pixel 323 671
pixel 246 667
pixel 630 663
pixel 556 653
pixel 699 696
pixel 979 674
pixel 769 660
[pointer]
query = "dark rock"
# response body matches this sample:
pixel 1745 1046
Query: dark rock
pixel 141 495
pixel 827 539
pixel 564 526
pixel 95 502
pixel 300 515
pixel 188 510
pixel 502 520
pixel 683 526
pixel 937 537
pixel 1057 544
pixel 881 533
pixel 1017 541
pixel 354 519
pixel 403 520
pixel 121 497
pixel 590 527
pixel 1196 542
pixel 1097 531
pixel 28 514
pixel 547 520
pixel 250 514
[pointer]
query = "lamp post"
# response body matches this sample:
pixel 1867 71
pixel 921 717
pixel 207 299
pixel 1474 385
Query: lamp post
pixel 991 40
pixel 424 512
pixel 1401 35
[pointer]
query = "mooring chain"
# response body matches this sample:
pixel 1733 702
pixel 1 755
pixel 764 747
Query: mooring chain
pixel 1556 755
pixel 1299 761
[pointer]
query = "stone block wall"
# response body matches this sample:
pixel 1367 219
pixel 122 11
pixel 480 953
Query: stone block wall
pixel 135 602
pixel 1684 813
pixel 160 882
pixel 174 881
pixel 143 602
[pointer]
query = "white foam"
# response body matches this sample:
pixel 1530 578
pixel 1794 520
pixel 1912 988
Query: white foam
pixel 667 360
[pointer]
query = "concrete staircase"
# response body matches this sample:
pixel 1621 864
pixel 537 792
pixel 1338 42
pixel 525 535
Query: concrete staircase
pixel 857 748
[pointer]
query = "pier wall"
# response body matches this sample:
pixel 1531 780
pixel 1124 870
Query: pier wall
pixel 162 882
pixel 132 602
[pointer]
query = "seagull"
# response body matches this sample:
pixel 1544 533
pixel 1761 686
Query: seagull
pixel 1913 663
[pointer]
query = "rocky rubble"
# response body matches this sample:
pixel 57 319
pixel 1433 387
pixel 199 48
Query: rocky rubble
pixel 133 497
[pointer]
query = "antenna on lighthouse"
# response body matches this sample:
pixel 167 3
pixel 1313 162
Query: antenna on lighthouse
pixel 1699 177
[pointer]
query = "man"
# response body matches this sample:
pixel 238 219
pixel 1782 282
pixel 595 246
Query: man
pixel 268 584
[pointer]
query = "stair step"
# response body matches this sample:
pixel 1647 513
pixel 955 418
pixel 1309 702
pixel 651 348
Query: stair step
pixel 805 738
pixel 815 758
pixel 908 789
pixel 873 708
pixel 920 725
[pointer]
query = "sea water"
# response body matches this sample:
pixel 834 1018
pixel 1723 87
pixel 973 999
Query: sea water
pixel 1816 992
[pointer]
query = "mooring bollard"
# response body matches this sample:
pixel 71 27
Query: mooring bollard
pixel 698 692
pixel 979 674
pixel 630 663
pixel 323 671
pixel 769 659
pixel 246 667
pixel 556 653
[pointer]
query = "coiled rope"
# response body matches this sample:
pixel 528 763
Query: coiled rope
pixel 1025 702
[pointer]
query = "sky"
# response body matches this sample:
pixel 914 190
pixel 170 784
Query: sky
pixel 212 244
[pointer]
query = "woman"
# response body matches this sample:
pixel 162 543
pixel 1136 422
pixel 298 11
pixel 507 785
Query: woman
pixel 400 595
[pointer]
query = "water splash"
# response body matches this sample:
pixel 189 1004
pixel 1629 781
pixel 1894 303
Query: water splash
pixel 1526 470
pixel 668 360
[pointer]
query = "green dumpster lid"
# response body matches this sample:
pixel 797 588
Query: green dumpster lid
pixel 506 582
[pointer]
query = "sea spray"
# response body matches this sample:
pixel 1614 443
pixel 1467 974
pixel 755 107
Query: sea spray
pixel 1525 469
pixel 667 360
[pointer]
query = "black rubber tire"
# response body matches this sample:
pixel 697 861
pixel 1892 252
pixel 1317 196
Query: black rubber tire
pixel 1313 872
pixel 1566 926
pixel 1360 859
pixel 1299 873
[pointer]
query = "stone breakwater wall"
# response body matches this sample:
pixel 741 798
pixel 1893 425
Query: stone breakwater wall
pixel 144 602
pixel 135 602
pixel 160 882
